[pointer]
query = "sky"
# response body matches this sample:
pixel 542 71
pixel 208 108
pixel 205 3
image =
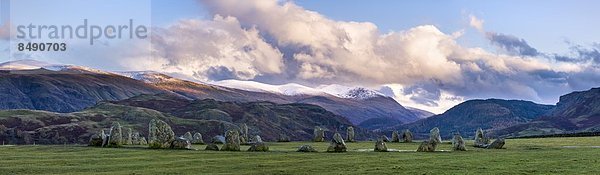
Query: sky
pixel 426 54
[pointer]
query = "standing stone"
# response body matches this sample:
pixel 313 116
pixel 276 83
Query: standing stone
pixel 407 136
pixel 480 140
pixel 181 143
pixel 160 134
pixel 283 138
pixel 427 146
pixel 143 141
pixel 497 144
pixel 232 141
pixel 350 134
pixel 306 148
pixel 434 135
pixel 380 146
pixel 116 135
pixel 337 144
pixel 128 138
pixel 256 139
pixel 135 140
pixel 258 147
pixel 458 144
pixel 188 136
pixel 212 147
pixel 96 139
pixel 218 139
pixel 243 133
pixel 197 139
pixel 395 136
pixel 319 134
pixel 384 138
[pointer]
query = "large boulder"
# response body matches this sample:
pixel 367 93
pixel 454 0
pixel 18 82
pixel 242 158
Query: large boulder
pixel 458 144
pixel 407 136
pixel 427 146
pixel 497 144
pixel 480 140
pixel 218 139
pixel 319 134
pixel 350 134
pixel 181 143
pixel 395 136
pixel 337 144
pixel 116 135
pixel 283 138
pixel 380 146
pixel 197 139
pixel 260 146
pixel 434 135
pixel 212 147
pixel 128 139
pixel 96 139
pixel 160 134
pixel 188 136
pixel 306 148
pixel 232 141
pixel 384 138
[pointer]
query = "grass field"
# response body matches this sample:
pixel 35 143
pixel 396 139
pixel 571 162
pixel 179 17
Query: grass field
pixel 522 156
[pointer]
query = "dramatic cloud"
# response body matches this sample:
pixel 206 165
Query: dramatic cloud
pixel 280 42
pixel 215 49
pixel 511 44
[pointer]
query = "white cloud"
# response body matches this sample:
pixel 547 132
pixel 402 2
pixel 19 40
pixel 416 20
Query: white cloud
pixel 476 23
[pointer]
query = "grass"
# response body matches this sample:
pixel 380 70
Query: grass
pixel 521 156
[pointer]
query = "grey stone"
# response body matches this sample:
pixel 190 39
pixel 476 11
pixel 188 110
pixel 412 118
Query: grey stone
pixel 243 133
pixel 256 139
pixel 458 144
pixel 128 140
pixel 116 135
pixel 427 146
pixel 143 141
pixel 135 139
pixel 434 135
pixel 188 136
pixel 497 144
pixel 319 134
pixel 350 134
pixel 407 136
pixel 480 140
pixel 380 146
pixel 260 146
pixel 395 136
pixel 197 139
pixel 181 143
pixel 232 141
pixel 96 139
pixel 306 148
pixel 212 147
pixel 160 134
pixel 218 139
pixel 337 144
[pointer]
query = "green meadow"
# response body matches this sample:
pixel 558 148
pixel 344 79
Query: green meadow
pixel 573 155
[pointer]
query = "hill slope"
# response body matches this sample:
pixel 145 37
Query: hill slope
pixel 490 114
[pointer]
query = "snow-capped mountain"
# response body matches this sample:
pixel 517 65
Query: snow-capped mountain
pixel 297 89
pixel 28 64
pixel 147 76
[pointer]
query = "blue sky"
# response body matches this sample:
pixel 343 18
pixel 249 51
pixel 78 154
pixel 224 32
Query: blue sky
pixel 426 54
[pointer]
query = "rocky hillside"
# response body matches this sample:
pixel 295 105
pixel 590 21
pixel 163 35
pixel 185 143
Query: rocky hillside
pixel 65 90
pixel 575 112
pixel 208 117
pixel 490 114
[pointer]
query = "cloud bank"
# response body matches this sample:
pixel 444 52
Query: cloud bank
pixel 272 41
